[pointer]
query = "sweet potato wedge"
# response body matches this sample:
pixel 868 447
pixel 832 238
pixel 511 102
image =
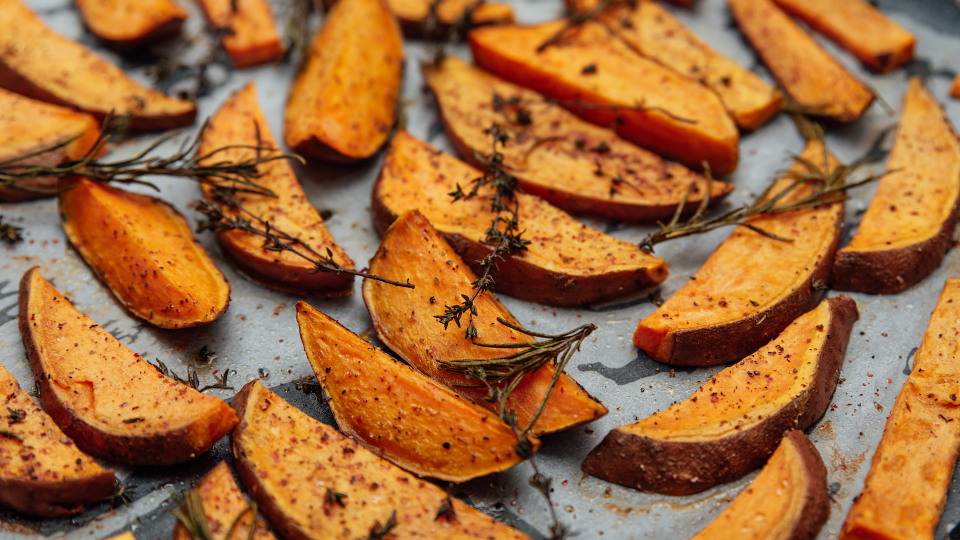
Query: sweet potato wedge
pixel 807 73
pixel 113 403
pixel 28 126
pixel 909 225
pixel 239 122
pixel 128 24
pixel 223 504
pixel 343 103
pixel 39 63
pixel 787 500
pixel 567 263
pixel 598 77
pixel 415 423
pixel 403 318
pixel 312 482
pixel 413 14
pixel 735 421
pixel 752 286
pixel 955 88
pixel 568 162
pixel 247 30
pixel 42 473
pixel 906 489
pixel 144 251
pixel 875 39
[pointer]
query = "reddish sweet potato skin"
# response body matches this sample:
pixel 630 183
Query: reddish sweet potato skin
pixel 683 468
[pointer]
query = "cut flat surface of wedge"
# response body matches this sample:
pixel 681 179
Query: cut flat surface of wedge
pixel 42 473
pixel 412 421
pixel 788 500
pixel 906 489
pixel 145 252
pixel 734 421
pixel 567 262
pixel 752 286
pixel 598 77
pixel 131 23
pixel 908 227
pixel 106 397
pixel 39 63
pixel 314 483
pixel 28 126
pixel 240 122
pixel 403 318
pixel 225 507
pixel 570 163
pixel 247 29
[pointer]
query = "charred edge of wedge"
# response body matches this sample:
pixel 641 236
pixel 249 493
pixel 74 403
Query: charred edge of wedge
pixel 52 498
pixel 525 281
pixel 895 270
pixel 816 501
pixel 735 340
pixel 166 447
pixel 683 468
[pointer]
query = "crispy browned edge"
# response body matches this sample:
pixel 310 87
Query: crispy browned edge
pixel 893 270
pixel 735 340
pixel 668 467
pixel 816 503
pixel 516 277
pixel 51 499
pixel 166 448
pixel 250 271
pixel 167 30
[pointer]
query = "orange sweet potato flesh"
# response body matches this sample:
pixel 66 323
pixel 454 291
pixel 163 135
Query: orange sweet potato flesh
pixel 43 473
pixel 875 39
pixel 403 318
pixel 682 120
pixel 752 286
pixel 906 489
pixel 144 251
pixel 955 88
pixel 247 29
pixel 557 156
pixel 567 262
pixel 342 105
pixel 288 462
pixel 27 126
pixel 807 73
pixel 653 32
pixel 106 397
pixel 223 504
pixel 238 122
pixel 735 421
pixel 909 225
pixel 413 14
pixel 417 424
pixel 131 23
pixel 787 500
pixel 39 63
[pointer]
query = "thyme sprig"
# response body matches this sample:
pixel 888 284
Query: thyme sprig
pixel 193 517
pixel 220 219
pixel 10 234
pixel 193 379
pixel 581 17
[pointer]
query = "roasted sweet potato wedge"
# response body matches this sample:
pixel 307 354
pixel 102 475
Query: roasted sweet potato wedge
pixel 224 504
pixel 567 263
pixel 413 14
pixel 752 286
pixel 403 318
pixel 787 500
pixel 127 24
pixel 857 26
pixel 598 77
pixel 312 482
pixel 42 473
pixel 28 126
pixel 955 88
pixel 735 421
pixel 240 121
pixel 909 225
pixel 342 105
pixel 655 33
pixel 106 397
pixel 144 251
pixel 415 423
pixel 807 73
pixel 247 29
pixel 906 489
pixel 568 162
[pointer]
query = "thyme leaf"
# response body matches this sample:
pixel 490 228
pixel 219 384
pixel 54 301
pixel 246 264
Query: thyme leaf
pixel 16 416
pixel 578 18
pixel 10 435
pixel 382 532
pixel 446 510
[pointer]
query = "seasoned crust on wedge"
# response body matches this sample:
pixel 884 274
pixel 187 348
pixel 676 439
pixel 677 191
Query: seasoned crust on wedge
pixel 225 506
pixel 684 450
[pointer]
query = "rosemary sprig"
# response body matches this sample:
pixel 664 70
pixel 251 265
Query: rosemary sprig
pixel 10 234
pixel 191 515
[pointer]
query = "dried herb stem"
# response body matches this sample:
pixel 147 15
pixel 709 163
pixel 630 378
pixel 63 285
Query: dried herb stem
pixel 191 515
pixel 10 234
pixel 579 18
